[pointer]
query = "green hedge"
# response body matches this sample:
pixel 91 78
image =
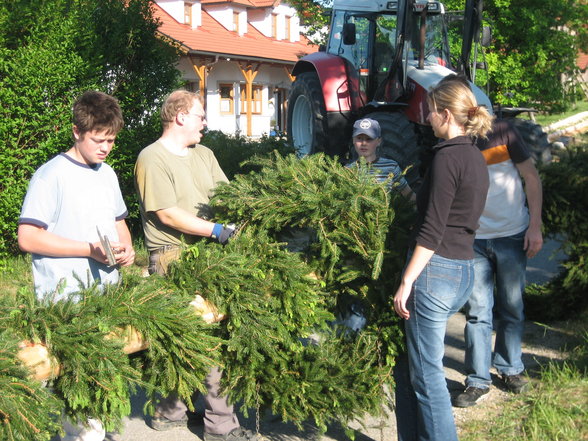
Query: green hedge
pixel 52 51
pixel 565 207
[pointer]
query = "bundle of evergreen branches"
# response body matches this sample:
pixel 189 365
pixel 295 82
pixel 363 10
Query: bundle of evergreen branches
pixel 279 346
pixel 360 232
pixel 182 347
pixel 96 377
pixel 28 412
pixel 273 306
pixel 356 248
pixel 349 213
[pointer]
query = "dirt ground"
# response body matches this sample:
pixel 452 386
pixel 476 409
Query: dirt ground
pixel 541 345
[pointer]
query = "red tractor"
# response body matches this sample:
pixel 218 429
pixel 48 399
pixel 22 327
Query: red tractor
pixel 379 62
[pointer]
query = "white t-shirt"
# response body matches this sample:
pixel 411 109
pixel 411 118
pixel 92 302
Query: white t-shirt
pixel 71 199
pixel 506 212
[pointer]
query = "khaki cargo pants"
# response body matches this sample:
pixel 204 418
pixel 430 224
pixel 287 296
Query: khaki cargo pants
pixel 219 416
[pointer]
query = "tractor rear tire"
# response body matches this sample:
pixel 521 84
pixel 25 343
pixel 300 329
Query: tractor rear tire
pixel 307 117
pixel 399 142
pixel 535 139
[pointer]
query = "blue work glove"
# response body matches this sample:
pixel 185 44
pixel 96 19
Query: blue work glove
pixel 222 234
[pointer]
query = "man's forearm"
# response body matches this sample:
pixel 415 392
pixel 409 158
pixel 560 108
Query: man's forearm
pixel 185 222
pixel 533 191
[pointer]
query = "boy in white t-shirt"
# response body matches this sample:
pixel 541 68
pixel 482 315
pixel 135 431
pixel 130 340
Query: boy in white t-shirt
pixel 69 199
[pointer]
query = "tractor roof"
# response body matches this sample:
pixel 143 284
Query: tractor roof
pixel 383 5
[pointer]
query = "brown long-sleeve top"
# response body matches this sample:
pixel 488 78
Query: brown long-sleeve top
pixel 452 198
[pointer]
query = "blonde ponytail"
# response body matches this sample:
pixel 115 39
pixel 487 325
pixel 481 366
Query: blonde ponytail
pixel 454 94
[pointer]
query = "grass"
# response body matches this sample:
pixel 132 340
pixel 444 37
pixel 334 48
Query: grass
pixel 546 119
pixel 15 274
pixel 555 409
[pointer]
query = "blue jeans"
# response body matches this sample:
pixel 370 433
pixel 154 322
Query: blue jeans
pixel 423 407
pixel 500 266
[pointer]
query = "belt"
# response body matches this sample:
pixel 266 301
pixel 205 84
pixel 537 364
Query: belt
pixel 163 249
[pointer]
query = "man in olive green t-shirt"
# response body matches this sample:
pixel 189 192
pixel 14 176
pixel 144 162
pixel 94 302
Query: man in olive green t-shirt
pixel 175 178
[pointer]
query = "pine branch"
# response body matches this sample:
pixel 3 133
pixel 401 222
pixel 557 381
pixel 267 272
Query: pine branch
pixel 28 412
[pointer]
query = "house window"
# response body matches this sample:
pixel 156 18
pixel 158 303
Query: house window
pixel 274 25
pixel 188 13
pixel 236 21
pixel 288 36
pixel 227 99
pixel 256 99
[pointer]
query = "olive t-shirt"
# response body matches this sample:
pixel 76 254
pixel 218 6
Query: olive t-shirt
pixel 164 180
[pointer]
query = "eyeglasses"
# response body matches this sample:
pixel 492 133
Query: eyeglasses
pixel 202 117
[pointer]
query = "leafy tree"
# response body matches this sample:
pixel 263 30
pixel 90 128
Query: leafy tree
pixel 315 17
pixel 535 46
pixel 50 52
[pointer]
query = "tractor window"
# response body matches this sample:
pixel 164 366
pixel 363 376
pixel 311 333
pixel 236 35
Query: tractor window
pixel 435 44
pixel 357 54
pixel 385 43
pixel 436 51
pixel 336 37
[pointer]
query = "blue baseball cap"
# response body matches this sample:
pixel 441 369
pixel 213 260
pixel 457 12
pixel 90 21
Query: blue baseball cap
pixel 367 126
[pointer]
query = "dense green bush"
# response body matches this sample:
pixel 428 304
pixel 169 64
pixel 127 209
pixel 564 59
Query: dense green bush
pixel 232 151
pixel 565 204
pixel 526 68
pixel 52 51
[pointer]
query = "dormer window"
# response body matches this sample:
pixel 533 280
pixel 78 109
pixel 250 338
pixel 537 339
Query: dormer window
pixel 275 26
pixel 236 21
pixel 288 29
pixel 188 13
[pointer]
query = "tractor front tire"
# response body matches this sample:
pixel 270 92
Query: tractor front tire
pixel 307 117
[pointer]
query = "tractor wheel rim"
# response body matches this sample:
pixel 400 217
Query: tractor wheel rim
pixel 302 126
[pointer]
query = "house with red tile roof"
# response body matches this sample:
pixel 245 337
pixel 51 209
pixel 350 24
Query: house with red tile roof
pixel 239 54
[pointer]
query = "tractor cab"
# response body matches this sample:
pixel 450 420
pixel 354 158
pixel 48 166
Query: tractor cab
pixel 380 40
pixel 380 60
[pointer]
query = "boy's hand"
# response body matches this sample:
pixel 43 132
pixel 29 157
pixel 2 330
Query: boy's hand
pixel 97 253
pixel 123 253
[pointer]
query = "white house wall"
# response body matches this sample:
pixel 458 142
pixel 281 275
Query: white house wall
pixel 286 12
pixel 225 72
pixel 295 29
pixel 173 8
pixel 261 19
pixel 224 15
pixel 196 15
pixel 188 74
